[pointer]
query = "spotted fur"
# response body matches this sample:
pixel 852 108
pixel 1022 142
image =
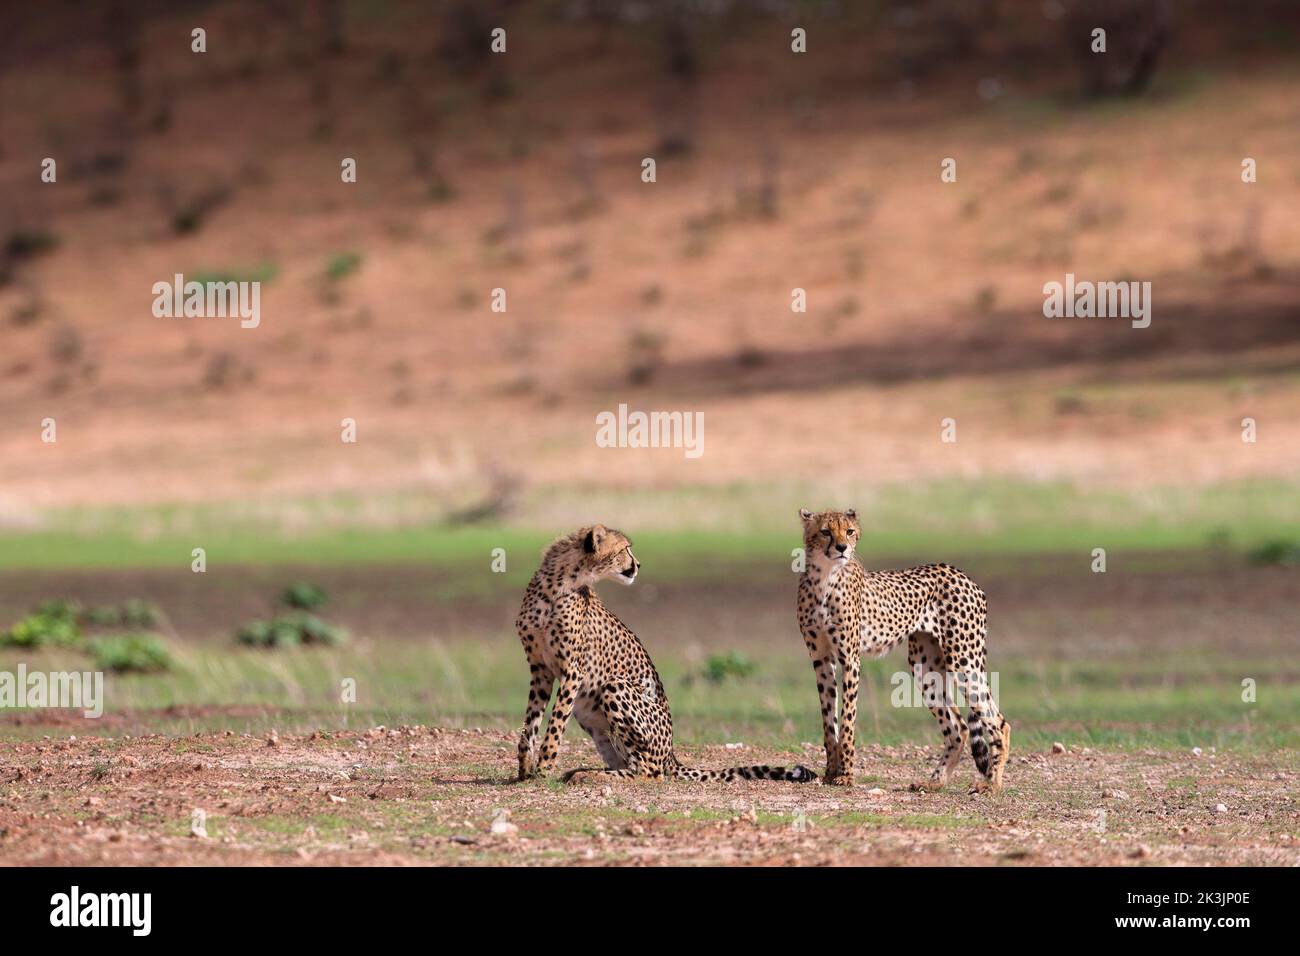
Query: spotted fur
pixel 846 612
pixel 605 676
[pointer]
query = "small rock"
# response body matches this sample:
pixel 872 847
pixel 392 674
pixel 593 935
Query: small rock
pixel 1141 851
pixel 875 792
pixel 501 825
pixel 1220 808
pixel 335 798
pixel 1058 748
pixel 1114 794
pixel 1196 751
pixel 736 746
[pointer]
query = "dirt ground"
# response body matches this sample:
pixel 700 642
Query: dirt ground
pixel 416 795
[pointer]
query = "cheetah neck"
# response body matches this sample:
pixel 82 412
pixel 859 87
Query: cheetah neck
pixel 559 575
pixel 824 573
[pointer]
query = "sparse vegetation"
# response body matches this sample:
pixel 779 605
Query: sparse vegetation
pixel 53 624
pixel 304 596
pixel 296 627
pixel 290 630
pixel 263 272
pixel 62 623
pixel 130 653
pixel 342 265
pixel 729 665
pixel 189 213
pixel 132 613
pixel 24 244
pixel 1277 553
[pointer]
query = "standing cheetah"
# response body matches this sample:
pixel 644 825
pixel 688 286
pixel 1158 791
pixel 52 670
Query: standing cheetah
pixel 605 674
pixel 846 611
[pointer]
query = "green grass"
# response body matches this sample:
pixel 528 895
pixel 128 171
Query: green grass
pixel 342 265
pixel 677 528
pixel 1124 701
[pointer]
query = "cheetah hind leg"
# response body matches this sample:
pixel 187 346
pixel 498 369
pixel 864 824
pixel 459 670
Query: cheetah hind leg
pixel 1000 759
pixel 1001 752
pixel 935 686
pixel 631 720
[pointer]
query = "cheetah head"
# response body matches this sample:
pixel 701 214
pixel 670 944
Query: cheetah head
pixel 832 535
pixel 605 553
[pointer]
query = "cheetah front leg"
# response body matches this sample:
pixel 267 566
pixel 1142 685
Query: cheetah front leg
pixel 570 682
pixel 824 667
pixel 539 692
pixel 851 665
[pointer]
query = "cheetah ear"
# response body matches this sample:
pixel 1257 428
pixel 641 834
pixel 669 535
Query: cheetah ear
pixel 595 535
pixel 805 514
pixel 850 513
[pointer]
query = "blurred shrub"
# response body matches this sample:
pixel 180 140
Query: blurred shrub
pixel 305 597
pixel 132 613
pixel 29 243
pixel 53 624
pixel 130 653
pixel 732 664
pixel 342 265
pixel 189 214
pixel 1278 553
pixel 59 622
pixel 291 630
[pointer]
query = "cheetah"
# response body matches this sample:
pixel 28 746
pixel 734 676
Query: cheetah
pixel 605 675
pixel 846 612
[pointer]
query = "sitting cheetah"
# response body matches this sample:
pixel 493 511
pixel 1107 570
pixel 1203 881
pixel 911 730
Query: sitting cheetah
pixel 605 674
pixel 846 611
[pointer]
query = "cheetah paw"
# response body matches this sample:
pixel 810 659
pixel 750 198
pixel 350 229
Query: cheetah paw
pixel 839 780
pixel 986 786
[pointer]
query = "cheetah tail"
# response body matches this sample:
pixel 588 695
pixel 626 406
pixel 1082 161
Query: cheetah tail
pixel 797 774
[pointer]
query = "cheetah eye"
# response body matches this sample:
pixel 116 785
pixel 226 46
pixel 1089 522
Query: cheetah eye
pixel 852 532
pixel 826 531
